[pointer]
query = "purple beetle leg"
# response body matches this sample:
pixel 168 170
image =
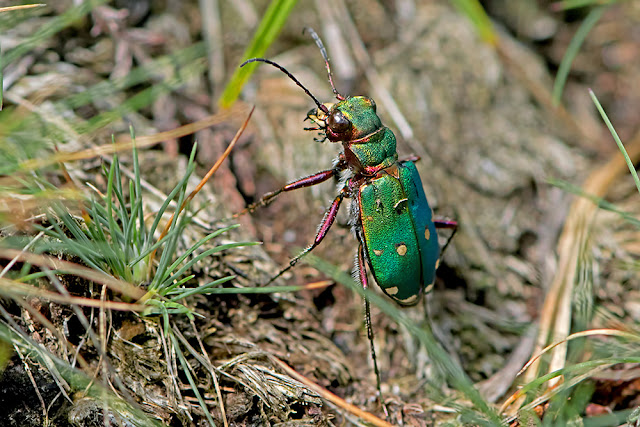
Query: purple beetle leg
pixel 362 274
pixel 445 223
pixel 412 158
pixel 325 225
pixel 308 181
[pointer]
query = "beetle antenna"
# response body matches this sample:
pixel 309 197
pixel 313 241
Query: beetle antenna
pixel 284 70
pixel 323 51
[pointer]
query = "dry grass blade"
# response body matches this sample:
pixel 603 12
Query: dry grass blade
pixel 327 395
pixel 204 180
pixel 555 319
pixel 53 263
pixel 593 332
pixel 13 289
pixel 21 7
pixel 126 144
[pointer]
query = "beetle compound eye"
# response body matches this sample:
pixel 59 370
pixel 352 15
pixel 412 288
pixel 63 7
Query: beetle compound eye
pixel 338 123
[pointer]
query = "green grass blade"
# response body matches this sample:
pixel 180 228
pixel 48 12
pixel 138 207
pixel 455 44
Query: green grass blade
pixel 630 164
pixel 175 276
pixel 201 290
pixel 153 247
pixel 473 10
pixel 178 222
pixel 572 51
pixel 109 197
pixel 129 227
pixel 171 289
pixel 161 211
pixel 201 242
pixel 599 201
pixel 274 18
pixel 186 369
pixel 574 4
pixel 137 194
pixel 615 418
pixel 261 290
pixel 441 360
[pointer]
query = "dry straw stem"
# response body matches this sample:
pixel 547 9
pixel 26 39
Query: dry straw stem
pixel 590 333
pixel 53 263
pixel 21 7
pixel 14 289
pixel 126 144
pixel 327 395
pixel 555 319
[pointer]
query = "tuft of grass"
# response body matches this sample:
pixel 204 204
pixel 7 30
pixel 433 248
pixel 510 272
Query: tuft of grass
pixel 114 239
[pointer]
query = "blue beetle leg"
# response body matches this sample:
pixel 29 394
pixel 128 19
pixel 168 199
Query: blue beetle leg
pixel 325 225
pixel 362 274
pixel 308 181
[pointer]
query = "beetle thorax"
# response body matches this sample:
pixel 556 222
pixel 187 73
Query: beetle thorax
pixel 373 153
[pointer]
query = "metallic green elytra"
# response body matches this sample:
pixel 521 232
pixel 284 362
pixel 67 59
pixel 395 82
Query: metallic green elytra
pixel 401 244
pixel 390 213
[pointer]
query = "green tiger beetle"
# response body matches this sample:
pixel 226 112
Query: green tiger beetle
pixel 389 212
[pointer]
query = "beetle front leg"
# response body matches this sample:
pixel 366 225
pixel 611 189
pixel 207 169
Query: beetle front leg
pixel 308 181
pixel 323 229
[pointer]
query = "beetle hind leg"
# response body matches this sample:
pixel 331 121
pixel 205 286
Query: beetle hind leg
pixel 445 224
pixel 362 275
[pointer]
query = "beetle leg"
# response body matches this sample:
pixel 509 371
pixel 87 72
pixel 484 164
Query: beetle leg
pixel 445 223
pixel 308 181
pixel 412 158
pixel 325 225
pixel 362 274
